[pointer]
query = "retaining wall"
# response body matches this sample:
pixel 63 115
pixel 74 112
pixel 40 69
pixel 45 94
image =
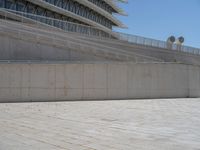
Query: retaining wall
pixel 97 81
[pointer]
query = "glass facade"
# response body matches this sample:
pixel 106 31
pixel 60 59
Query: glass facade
pixel 81 10
pixel 24 6
pixel 69 5
pixel 103 5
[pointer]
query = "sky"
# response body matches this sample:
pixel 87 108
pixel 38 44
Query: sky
pixel 159 19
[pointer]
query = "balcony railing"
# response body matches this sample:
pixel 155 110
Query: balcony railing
pixel 95 32
pixel 157 43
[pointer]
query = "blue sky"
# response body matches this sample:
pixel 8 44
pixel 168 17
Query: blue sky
pixel 159 19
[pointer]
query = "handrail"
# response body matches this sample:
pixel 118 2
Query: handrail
pixel 97 32
pixel 157 43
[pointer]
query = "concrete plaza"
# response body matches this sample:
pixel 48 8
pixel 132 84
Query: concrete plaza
pixel 101 125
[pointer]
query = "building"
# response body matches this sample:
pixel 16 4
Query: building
pixel 95 13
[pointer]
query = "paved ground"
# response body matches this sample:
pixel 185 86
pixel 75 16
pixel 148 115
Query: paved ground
pixel 103 125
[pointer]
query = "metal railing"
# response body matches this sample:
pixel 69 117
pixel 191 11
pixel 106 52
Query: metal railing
pixel 97 32
pixel 157 43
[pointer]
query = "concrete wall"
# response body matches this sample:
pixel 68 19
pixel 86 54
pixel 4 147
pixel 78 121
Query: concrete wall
pixel 49 82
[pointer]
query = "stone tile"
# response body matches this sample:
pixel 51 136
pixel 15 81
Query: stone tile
pixel 95 125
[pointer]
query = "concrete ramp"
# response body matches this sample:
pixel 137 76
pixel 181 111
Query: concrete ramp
pixel 123 48
pixel 24 42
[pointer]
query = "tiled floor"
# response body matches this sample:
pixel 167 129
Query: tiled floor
pixel 101 125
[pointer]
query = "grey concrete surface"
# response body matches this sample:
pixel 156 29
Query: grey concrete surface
pixel 101 125
pixel 93 81
pixel 51 44
pixel 167 55
pixel 40 44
